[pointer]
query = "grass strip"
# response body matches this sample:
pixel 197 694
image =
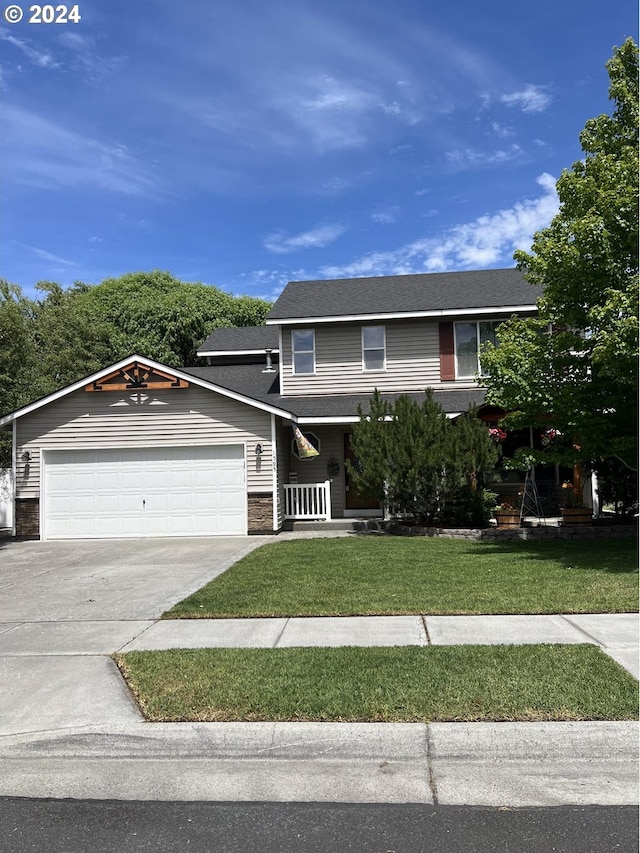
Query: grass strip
pixel 394 575
pixel 381 684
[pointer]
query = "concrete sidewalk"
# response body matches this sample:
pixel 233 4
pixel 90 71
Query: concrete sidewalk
pixel 616 634
pixel 69 726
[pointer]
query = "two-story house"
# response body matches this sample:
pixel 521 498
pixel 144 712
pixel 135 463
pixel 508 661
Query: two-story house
pixel 143 449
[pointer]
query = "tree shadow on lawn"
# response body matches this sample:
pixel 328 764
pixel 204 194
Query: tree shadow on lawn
pixel 612 556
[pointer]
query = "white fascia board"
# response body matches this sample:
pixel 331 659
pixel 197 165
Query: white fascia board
pixel 187 377
pixel 280 382
pixel 219 352
pixel 348 419
pixel 14 468
pixel 274 473
pixel 404 315
pixel 345 419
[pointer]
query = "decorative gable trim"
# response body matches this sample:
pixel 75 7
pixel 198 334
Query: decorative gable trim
pixel 156 366
pixel 447 352
pixel 136 377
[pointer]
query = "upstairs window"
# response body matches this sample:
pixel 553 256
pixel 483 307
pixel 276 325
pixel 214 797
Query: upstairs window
pixel 469 337
pixel 303 347
pixel 373 348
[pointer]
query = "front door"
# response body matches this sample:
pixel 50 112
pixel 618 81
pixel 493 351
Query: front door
pixel 355 499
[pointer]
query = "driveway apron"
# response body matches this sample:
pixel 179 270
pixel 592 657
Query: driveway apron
pixel 66 606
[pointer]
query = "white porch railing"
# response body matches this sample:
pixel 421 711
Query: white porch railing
pixel 308 501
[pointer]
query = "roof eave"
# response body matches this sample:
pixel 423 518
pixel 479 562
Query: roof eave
pixel 231 352
pixel 403 315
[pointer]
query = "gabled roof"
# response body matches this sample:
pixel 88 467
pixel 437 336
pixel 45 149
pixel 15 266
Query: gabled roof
pixel 421 295
pixel 246 340
pixel 107 373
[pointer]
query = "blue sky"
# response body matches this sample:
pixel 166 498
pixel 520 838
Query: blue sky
pixel 244 144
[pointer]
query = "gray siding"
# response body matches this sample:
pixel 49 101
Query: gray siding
pixel 85 420
pixel 412 352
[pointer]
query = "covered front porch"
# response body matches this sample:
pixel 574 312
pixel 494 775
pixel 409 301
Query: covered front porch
pixel 318 489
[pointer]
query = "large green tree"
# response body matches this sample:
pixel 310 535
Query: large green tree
pixel 18 363
pixel 62 335
pixel 157 315
pixel 576 366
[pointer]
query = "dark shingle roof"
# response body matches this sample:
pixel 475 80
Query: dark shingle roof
pixel 398 294
pixel 250 380
pixel 244 339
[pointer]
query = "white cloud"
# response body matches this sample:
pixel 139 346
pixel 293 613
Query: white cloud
pixel 280 243
pixel 38 152
pixel 336 185
pixel 269 284
pixel 531 99
pixel 387 215
pixel 468 158
pixel 39 58
pixel 49 256
pixel 502 130
pixel 484 242
pixel 85 57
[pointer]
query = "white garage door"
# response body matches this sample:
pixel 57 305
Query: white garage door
pixel 170 491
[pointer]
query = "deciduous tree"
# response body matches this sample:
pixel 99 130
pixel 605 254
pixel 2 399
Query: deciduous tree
pixel 576 366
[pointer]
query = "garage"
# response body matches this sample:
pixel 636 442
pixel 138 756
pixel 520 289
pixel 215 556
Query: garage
pixel 152 491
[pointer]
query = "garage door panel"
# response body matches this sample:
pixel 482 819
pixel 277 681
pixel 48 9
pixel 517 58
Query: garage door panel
pixel 145 492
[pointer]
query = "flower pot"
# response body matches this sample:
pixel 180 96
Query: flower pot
pixel 576 517
pixel 508 519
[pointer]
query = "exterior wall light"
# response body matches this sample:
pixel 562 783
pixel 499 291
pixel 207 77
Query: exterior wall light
pixel 258 450
pixel 25 456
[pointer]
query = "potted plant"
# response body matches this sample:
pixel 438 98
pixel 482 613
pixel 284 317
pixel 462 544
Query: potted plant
pixel 574 512
pixel 507 515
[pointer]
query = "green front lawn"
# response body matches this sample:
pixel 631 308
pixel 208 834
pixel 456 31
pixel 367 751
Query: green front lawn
pixel 398 684
pixel 395 575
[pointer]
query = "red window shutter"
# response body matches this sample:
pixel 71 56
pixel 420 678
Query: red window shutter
pixel 447 353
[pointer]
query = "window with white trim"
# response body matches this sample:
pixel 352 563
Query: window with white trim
pixel 373 348
pixel 469 337
pixel 303 349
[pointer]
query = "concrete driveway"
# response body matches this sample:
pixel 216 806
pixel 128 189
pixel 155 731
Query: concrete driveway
pixel 66 606
pixel 116 579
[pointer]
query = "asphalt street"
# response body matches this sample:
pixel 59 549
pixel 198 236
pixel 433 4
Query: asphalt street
pixel 75 826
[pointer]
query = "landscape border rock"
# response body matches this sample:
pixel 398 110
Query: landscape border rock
pixel 599 531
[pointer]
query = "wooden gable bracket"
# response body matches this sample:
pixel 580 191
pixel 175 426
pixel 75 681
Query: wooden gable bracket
pixel 136 377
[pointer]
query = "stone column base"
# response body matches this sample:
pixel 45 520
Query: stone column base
pixel 27 515
pixel 260 506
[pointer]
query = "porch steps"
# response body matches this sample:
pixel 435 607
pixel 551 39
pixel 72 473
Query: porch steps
pixel 355 524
